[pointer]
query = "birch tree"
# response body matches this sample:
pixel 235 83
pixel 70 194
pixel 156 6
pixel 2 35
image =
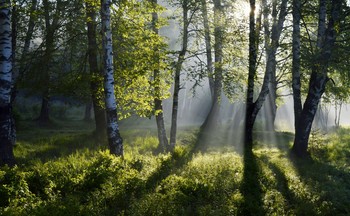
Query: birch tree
pixel 326 37
pixel 271 43
pixel 296 83
pixel 115 141
pixel 6 140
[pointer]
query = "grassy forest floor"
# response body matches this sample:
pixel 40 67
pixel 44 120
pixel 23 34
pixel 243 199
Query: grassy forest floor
pixel 61 171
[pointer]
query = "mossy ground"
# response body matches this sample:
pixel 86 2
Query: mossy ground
pixel 61 171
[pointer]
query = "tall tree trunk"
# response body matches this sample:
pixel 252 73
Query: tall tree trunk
pixel 212 117
pixel 178 67
pixel 95 74
pixel 158 104
pixel 14 21
pixel 296 84
pixel 253 108
pixel 6 139
pixel 208 48
pixel 249 118
pixel 325 42
pixel 115 141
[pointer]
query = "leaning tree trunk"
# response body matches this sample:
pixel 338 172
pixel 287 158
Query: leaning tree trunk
pixel 158 104
pixel 95 74
pixel 272 45
pixel 318 80
pixel 115 141
pixel 180 60
pixel 6 139
pixel 212 117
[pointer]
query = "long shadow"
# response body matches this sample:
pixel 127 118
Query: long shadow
pixel 176 161
pixel 331 183
pixel 250 187
pixel 292 201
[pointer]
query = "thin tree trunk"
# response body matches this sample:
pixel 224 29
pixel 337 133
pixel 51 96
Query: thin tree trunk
pixel 44 117
pixel 318 80
pixel 208 49
pixel 114 139
pixel 95 74
pixel 6 139
pixel 87 113
pixel 296 84
pixel 158 104
pixel 180 60
pixel 18 74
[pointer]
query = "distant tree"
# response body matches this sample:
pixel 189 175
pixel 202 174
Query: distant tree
pixel 51 26
pixel 6 139
pixel 272 44
pixel 219 30
pixel 115 141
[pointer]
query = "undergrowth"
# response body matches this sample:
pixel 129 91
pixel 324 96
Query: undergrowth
pixel 66 174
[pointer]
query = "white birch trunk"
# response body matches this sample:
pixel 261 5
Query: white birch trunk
pixel 6 139
pixel 114 139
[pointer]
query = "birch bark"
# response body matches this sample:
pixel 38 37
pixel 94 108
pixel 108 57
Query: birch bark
pixel 325 43
pixel 6 145
pixel 115 141
pixel 296 84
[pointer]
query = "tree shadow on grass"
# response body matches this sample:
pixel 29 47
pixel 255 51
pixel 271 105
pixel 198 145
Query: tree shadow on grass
pixel 330 184
pixel 250 188
pixel 177 160
pixel 293 203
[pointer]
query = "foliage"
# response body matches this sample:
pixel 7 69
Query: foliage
pixel 137 50
pixel 64 173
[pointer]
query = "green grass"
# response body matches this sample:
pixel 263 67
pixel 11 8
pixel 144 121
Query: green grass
pixel 62 172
